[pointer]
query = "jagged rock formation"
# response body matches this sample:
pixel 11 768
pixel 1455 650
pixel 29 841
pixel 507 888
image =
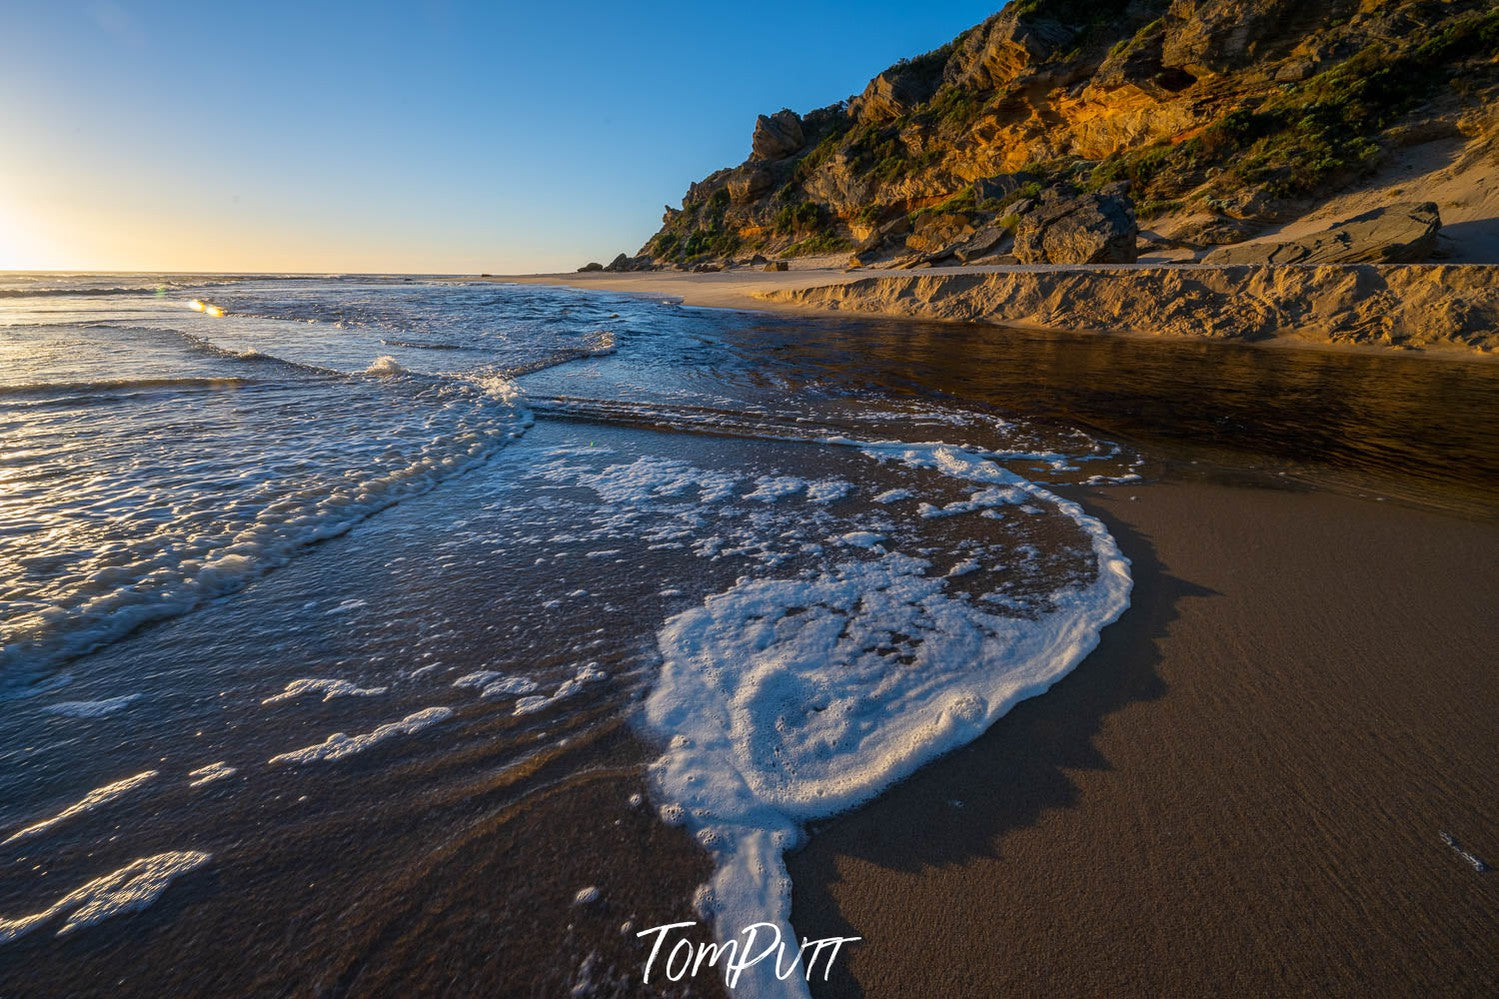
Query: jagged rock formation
pixel 1083 229
pixel 778 136
pixel 1238 114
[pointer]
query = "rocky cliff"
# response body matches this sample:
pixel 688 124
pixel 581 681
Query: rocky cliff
pixel 1055 127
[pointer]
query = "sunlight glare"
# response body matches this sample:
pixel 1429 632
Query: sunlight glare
pixel 21 248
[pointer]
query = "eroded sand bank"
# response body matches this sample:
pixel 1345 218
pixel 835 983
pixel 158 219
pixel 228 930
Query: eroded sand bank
pixel 1450 308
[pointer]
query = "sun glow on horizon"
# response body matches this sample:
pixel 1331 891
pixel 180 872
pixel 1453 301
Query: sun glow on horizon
pixel 22 245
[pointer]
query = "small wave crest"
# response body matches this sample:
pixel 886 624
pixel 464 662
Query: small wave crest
pixel 120 384
pixel 417 345
pixel 75 292
pixel 385 366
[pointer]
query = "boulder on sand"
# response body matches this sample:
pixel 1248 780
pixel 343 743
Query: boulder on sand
pixel 628 263
pixel 1078 229
pixel 1403 233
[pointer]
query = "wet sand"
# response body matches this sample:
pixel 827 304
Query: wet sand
pixel 1240 792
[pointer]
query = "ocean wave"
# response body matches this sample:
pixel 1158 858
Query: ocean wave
pixel 417 345
pixel 121 384
pixel 600 344
pixel 384 367
pixel 75 292
pixel 230 489
pixel 252 355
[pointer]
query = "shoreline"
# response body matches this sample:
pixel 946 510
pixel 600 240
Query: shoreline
pixel 1291 307
pixel 1254 768
pixel 1248 778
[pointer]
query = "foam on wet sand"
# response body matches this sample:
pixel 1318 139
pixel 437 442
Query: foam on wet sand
pixel 782 699
pixel 129 889
pixel 340 744
pixel 91 709
pixel 328 688
pixel 95 799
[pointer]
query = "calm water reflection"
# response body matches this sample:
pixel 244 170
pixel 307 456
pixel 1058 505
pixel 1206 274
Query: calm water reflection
pixel 1416 427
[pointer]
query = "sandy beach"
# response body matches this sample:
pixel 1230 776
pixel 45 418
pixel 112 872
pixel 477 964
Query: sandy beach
pixel 1240 792
pixel 737 288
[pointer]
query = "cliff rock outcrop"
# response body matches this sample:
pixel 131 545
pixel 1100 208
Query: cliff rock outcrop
pixel 1247 113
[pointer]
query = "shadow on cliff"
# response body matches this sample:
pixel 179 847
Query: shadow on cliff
pixel 1006 778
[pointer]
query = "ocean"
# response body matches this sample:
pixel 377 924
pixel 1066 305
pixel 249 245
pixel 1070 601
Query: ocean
pixel 373 633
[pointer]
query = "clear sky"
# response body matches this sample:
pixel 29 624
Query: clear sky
pixel 436 136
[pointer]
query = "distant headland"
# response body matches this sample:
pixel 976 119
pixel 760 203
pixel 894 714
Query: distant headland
pixel 1307 153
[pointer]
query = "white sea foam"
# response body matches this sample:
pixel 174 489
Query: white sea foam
pixel 212 772
pixel 588 674
pixel 129 889
pixel 341 744
pixel 385 366
pixel 783 703
pixel 984 499
pixel 478 678
pixel 328 688
pixel 95 799
pixel 648 479
pixel 964 567
pixel 509 686
pixel 492 683
pixel 828 490
pixel 769 488
pixel 894 495
pixel 91 709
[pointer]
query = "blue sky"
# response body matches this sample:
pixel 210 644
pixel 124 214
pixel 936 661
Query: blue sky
pixel 418 137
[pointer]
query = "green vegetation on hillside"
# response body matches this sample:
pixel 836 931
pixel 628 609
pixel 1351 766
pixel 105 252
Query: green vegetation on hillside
pixel 1276 122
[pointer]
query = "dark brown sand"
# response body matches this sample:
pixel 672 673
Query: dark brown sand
pixel 1239 793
